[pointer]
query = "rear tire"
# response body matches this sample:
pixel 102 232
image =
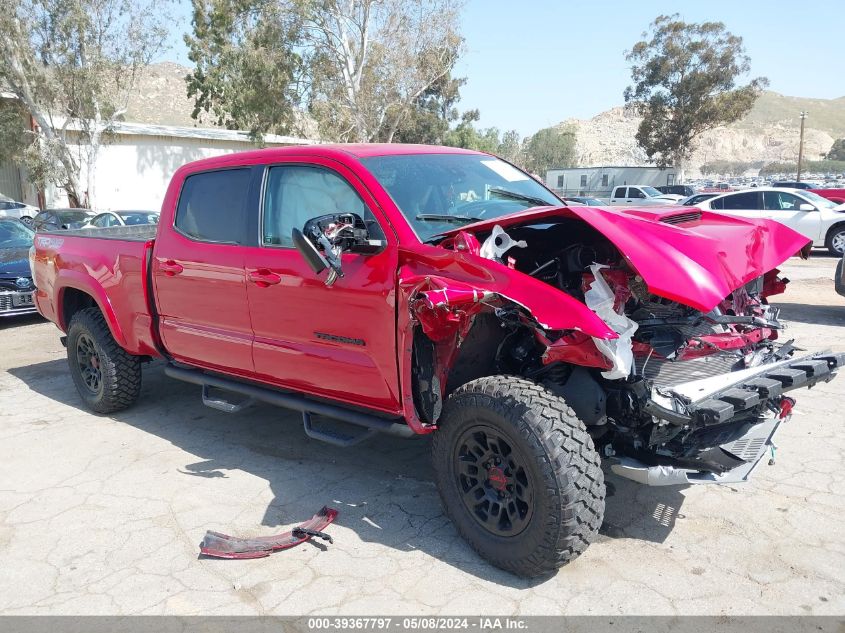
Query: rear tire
pixel 518 474
pixel 835 241
pixel 106 376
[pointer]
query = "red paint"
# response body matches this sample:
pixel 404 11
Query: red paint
pixel 256 312
pixel 834 195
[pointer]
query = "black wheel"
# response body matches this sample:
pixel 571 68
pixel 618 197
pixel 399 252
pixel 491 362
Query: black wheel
pixel 518 475
pixel 835 241
pixel 107 377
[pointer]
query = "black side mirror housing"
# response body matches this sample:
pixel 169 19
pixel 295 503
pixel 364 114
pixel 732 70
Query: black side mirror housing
pixel 309 252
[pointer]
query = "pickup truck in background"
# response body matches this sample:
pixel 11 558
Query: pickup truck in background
pixel 641 195
pixel 832 194
pixel 414 290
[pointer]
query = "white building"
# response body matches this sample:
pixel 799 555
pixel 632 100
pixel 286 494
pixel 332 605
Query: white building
pixel 600 181
pixel 134 168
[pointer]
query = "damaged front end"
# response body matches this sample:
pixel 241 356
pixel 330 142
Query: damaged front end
pixel 653 328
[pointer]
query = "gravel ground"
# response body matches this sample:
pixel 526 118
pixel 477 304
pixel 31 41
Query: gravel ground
pixel 102 515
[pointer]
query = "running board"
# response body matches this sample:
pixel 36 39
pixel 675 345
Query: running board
pixel 370 423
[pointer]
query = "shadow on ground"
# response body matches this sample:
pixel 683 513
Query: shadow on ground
pixel 383 487
pixel 812 314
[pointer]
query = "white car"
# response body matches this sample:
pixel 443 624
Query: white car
pixel 642 195
pixel 122 218
pixel 17 210
pixel 811 215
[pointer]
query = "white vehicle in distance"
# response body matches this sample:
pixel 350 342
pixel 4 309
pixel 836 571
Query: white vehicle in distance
pixel 817 218
pixel 642 195
pixel 122 218
pixel 18 210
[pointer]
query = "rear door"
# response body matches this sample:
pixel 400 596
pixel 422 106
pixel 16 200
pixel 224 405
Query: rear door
pixel 339 341
pixel 198 271
pixel 785 207
pixel 746 204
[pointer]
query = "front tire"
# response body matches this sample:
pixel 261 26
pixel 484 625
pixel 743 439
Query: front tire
pixel 518 474
pixel 106 376
pixel 835 241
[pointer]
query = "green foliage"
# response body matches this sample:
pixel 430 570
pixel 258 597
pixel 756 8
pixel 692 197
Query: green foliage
pixel 550 148
pixel 71 65
pixel 245 64
pixel 811 166
pixel 684 83
pixel 489 140
pixel 837 151
pixel 432 113
pixel 729 167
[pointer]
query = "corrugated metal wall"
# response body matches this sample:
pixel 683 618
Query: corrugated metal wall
pixel 10 181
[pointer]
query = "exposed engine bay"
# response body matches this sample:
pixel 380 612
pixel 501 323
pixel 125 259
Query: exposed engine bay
pixel 677 396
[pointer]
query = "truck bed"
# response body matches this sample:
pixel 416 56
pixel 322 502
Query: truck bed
pixel 108 264
pixel 139 233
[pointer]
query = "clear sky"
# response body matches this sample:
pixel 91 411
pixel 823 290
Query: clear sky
pixel 533 63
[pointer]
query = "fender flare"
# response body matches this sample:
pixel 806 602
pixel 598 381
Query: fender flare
pixel 87 284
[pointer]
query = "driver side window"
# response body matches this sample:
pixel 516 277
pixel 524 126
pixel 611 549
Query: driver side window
pixel 294 194
pixel 781 201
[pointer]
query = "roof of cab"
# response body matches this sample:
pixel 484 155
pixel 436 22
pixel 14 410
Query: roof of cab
pixel 334 150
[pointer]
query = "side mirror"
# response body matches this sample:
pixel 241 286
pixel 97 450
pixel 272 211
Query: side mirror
pixel 309 252
pixel 324 239
pixel 804 206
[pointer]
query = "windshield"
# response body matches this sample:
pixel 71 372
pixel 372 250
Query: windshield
pixel 437 192
pixel 651 191
pixel 818 200
pixel 15 235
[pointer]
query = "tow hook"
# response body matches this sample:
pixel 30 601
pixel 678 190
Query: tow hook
pixel 786 406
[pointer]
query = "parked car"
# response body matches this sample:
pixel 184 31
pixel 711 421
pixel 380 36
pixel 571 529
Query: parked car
pixel 585 201
pixel 793 184
pixel 839 277
pixel 413 290
pixel 697 198
pixel 61 219
pixel 123 218
pixel 819 219
pixel 18 210
pixel 640 195
pixel 15 277
pixel 684 191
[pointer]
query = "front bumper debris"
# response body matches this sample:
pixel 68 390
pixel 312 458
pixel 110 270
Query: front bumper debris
pixel 718 399
pixel 220 545
pixel 750 447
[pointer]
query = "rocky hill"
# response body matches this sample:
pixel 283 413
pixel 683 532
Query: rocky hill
pixel 770 132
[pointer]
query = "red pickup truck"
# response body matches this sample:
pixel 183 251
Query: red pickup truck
pixel 412 289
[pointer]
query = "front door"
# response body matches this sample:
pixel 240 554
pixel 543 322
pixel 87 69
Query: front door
pixel 785 207
pixel 337 342
pixel 198 271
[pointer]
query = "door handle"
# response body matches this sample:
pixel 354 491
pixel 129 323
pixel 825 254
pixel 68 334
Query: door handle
pixel 170 268
pixel 264 278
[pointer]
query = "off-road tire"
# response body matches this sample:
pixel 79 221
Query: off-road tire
pixel 838 230
pixel 120 371
pixel 562 462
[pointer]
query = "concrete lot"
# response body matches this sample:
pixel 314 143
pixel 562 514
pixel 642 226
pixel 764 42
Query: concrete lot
pixel 103 514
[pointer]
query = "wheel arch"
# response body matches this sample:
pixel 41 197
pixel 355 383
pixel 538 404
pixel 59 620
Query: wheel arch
pixel 77 292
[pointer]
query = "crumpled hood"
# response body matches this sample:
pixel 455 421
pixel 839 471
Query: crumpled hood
pixel 697 263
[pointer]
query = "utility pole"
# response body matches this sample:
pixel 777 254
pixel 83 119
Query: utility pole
pixel 801 147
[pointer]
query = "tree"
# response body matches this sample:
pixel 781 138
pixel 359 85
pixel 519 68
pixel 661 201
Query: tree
pixel 549 148
pixel 837 151
pixel 434 111
pixel 685 83
pixel 71 65
pixel 360 68
pixel 246 73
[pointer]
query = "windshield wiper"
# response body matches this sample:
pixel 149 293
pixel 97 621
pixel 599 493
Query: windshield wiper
pixel 515 195
pixel 436 217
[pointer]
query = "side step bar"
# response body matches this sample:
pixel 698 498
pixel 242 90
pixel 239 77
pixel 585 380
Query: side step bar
pixel 370 423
